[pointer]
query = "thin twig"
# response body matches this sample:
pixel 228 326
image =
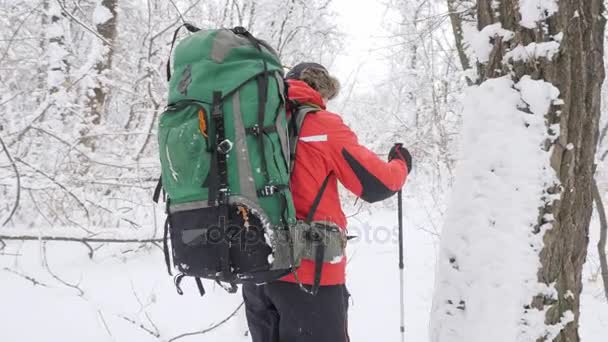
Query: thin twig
pixel 11 98
pixel 45 262
pixel 142 308
pixel 73 239
pixel 19 26
pixel 56 183
pixel 141 326
pixel 18 180
pixel 26 277
pixel 213 327
pixel 43 108
pixel 131 222
pixel 105 324
pixel 181 16
pixel 601 245
pixel 85 26
pixel 72 147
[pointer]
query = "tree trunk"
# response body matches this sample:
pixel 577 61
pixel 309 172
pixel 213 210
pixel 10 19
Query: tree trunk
pixel 576 69
pixel 57 54
pixel 462 12
pixel 108 31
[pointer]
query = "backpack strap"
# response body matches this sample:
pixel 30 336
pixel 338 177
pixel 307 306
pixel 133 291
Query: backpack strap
pixel 199 284
pixel 299 113
pixel 317 200
pixel 177 280
pixel 297 120
pixel 166 246
pixel 318 241
pixel 262 82
pixel 218 170
pixel 190 28
pixel 157 190
pixel 217 181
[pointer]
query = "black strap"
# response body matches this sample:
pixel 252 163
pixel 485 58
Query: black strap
pixel 166 246
pixel 218 172
pixel 177 280
pixel 159 187
pixel 318 240
pixel 224 262
pixel 190 28
pixel 317 201
pixel 199 284
pixel 243 32
pixel 319 256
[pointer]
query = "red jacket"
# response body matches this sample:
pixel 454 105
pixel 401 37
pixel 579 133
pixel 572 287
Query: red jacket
pixel 327 146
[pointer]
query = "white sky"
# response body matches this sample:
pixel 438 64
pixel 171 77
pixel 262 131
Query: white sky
pixel 362 22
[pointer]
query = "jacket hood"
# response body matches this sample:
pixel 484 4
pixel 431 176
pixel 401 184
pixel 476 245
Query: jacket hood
pixel 301 92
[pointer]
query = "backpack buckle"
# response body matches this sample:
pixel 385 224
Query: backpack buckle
pixel 222 195
pixel 255 130
pixel 267 190
pixel 225 146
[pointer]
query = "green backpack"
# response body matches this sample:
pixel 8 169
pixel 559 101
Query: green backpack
pixel 225 156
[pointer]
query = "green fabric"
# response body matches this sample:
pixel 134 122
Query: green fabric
pixel 219 60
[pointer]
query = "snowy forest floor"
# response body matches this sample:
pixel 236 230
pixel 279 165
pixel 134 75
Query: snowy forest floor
pixel 127 295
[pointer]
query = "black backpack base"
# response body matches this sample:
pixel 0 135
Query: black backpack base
pixel 205 244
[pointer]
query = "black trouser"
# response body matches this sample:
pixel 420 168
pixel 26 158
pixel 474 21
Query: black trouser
pixel 282 312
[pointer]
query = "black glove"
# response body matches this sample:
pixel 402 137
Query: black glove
pixel 400 152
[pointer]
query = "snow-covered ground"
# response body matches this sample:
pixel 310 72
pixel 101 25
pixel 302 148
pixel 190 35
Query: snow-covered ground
pixel 124 289
pixel 127 295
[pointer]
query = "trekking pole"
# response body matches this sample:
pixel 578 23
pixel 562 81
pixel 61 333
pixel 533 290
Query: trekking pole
pixel 401 266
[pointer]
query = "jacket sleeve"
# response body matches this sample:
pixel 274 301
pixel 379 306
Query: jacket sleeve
pixel 360 170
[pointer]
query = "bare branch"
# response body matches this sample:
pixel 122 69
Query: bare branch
pixel 26 277
pixel 17 179
pixel 85 26
pixel 56 183
pixel 141 326
pixel 74 239
pixel 181 16
pixel 601 245
pixel 10 43
pixel 105 324
pixel 213 327
pixel 56 277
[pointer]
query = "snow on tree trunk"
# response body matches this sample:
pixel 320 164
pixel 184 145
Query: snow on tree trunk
pixel 104 17
pixel 56 51
pixel 516 231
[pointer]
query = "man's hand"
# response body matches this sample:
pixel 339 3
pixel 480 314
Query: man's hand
pixel 400 152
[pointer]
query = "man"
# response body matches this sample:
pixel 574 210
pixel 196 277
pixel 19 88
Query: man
pixel 280 311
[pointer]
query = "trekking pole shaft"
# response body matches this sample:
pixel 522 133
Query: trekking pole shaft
pixel 400 218
pixel 401 265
